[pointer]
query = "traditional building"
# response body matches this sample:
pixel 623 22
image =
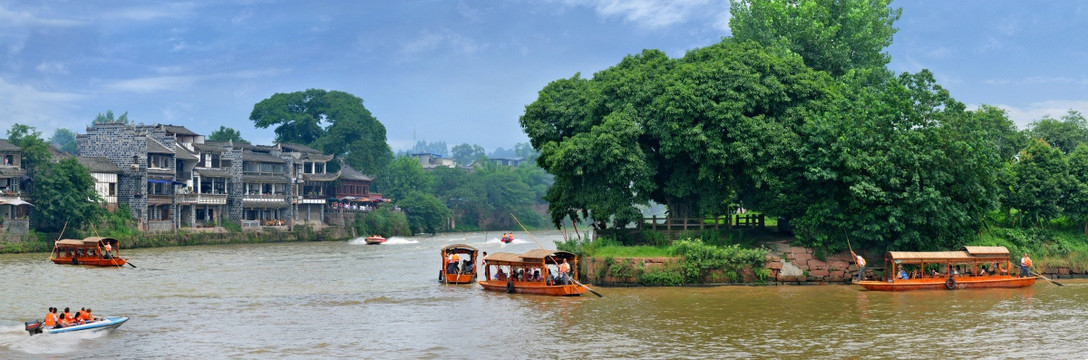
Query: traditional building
pixel 13 209
pixel 105 174
pixel 312 181
pixel 430 161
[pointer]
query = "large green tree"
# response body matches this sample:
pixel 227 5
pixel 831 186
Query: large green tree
pixel 64 194
pixel 465 154
pixel 403 176
pixel 225 134
pixel 35 150
pixel 1041 179
pixel 696 133
pixel 425 213
pixel 64 140
pixel 1075 202
pixel 335 122
pixel 831 35
pixel 1064 134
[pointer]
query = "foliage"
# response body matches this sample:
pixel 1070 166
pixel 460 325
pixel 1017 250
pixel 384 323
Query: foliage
pixel 64 140
pixel 35 150
pixel 465 154
pixel 382 221
pixel 335 122
pixel 108 118
pixel 1040 176
pixel 120 223
pixel 698 259
pixel 402 176
pixel 425 213
pixel 64 193
pixel 1075 202
pixel 692 133
pixel 1064 134
pixel 225 134
pixel 901 165
pixel 230 225
pixel 437 147
pixel 831 35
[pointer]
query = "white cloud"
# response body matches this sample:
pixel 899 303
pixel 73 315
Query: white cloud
pixel 653 14
pixel 28 105
pixel 151 12
pixel 52 67
pixel 242 17
pixel 1025 115
pixel 152 84
pixel 16 26
pixel 434 40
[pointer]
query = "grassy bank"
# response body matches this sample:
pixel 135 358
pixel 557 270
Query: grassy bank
pixel 697 262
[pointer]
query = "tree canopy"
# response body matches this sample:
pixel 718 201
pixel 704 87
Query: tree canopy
pixel 64 193
pixel 64 140
pixel 335 122
pixel 108 118
pixel 225 134
pixel 465 154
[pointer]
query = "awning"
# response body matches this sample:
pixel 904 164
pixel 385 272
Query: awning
pixel 15 202
pixel 159 181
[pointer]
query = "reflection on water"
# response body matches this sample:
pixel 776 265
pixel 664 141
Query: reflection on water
pixel 350 300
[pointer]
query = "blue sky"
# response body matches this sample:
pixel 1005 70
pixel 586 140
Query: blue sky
pixel 459 71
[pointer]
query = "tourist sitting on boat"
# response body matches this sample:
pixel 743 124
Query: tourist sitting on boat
pixel 451 266
pixel 467 265
pixel 51 319
pixel 500 275
pixel 63 322
pixel 67 315
pixel 903 273
pixel 84 316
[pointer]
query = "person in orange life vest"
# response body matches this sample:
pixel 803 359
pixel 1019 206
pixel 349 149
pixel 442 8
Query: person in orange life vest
pixel 85 316
pixel 564 271
pixel 63 322
pixel 861 265
pixel 1025 266
pixel 51 319
pixel 67 315
pixel 451 264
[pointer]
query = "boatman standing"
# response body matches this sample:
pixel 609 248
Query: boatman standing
pixel 564 271
pixel 1025 266
pixel 861 264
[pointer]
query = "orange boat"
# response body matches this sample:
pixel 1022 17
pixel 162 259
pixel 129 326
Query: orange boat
pixel 374 240
pixel 529 273
pixel 974 267
pixel 89 251
pixel 461 272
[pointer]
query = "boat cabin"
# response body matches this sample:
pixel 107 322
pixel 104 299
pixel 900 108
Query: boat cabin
pixel 89 251
pixel 972 267
pixel 534 272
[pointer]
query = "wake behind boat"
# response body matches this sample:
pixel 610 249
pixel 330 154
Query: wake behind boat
pixel 106 323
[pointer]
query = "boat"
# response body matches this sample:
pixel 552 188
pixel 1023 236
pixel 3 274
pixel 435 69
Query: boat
pixel 375 240
pixel 507 238
pixel 517 273
pixel 974 267
pixel 89 251
pixel 105 323
pixel 462 272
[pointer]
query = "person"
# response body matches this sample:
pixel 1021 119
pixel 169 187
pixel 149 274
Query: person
pixel 956 270
pixel 861 264
pixel 51 319
pixel 902 273
pixel 982 270
pixel 85 316
pixel 536 274
pixel 451 264
pixel 1025 266
pixel 564 270
pixel 500 275
pixel 67 315
pixel 108 252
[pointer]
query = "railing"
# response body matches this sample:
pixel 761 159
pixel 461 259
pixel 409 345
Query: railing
pixel 682 224
pixel 251 224
pixel 9 193
pixel 210 199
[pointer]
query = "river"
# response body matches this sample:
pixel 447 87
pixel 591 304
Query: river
pixel 345 299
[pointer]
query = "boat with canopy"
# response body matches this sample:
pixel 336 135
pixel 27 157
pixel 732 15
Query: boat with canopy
pixel 534 272
pixel 97 251
pixel 973 267
pixel 461 271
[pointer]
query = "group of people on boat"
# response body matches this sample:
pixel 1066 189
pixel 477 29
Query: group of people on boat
pixel 507 237
pixel 982 270
pixel 560 276
pixel 53 320
pixel 454 264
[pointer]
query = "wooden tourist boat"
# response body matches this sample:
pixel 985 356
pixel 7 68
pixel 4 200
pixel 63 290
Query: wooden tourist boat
pixel 516 273
pixel 461 272
pixel 89 251
pixel 977 267
pixel 375 240
pixel 106 323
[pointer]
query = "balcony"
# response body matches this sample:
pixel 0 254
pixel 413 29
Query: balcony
pixel 203 199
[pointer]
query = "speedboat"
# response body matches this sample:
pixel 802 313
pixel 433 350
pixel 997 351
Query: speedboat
pixel 374 240
pixel 106 323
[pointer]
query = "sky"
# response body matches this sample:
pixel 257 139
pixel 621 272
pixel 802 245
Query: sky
pixel 459 71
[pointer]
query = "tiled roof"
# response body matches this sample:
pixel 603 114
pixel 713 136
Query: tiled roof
pixel 154 147
pixel 8 146
pixel 213 173
pixel 211 147
pixel 180 130
pixel 299 148
pixel 347 173
pixel 320 177
pixel 98 164
pixel 315 157
pixel 264 179
pixel 262 157
pixel 184 154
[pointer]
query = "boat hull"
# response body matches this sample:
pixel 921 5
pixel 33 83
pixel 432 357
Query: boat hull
pixel 93 261
pixel 374 241
pixel 458 278
pixel 534 287
pixel 110 322
pixel 982 282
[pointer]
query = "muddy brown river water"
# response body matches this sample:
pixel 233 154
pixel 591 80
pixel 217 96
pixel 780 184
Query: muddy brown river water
pixel 350 300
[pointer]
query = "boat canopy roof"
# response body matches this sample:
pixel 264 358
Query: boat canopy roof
pixel 968 254
pixel 88 242
pixel 458 248
pixel 532 256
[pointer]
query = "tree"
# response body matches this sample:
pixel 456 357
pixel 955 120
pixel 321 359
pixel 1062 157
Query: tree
pixel 899 166
pixel 1040 178
pixel 225 134
pixel 437 147
pixel 65 140
pixel 1064 134
pixel 424 211
pixel 108 118
pixel 1075 203
pixel 335 122
pixel 465 154
pixel 64 193
pixel 35 151
pixel 831 35
pixel 403 176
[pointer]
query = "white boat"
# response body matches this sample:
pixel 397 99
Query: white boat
pixel 106 323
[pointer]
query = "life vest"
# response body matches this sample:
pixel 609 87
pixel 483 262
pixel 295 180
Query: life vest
pixel 454 258
pixel 1025 261
pixel 68 316
pixel 564 268
pixel 50 319
pixel 85 316
pixel 861 261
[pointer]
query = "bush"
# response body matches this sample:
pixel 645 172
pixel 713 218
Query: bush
pixel 698 259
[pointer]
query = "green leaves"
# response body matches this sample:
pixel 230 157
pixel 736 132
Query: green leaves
pixel 64 193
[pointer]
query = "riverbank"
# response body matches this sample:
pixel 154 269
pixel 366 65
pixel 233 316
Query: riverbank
pixel 191 238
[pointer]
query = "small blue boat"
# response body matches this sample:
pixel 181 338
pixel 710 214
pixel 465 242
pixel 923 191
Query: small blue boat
pixel 106 323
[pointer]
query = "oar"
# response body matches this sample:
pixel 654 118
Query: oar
pixel 553 259
pixel 1047 279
